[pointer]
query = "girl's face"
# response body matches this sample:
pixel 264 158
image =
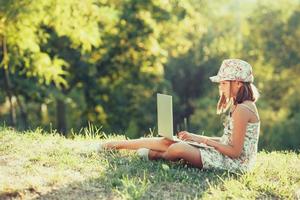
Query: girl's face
pixel 229 88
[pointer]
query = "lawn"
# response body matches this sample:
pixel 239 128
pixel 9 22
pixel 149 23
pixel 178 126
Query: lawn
pixel 39 165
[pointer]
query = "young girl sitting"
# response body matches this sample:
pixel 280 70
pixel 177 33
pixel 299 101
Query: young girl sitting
pixel 236 150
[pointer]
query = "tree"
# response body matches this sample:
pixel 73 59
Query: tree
pixel 24 29
pixel 130 71
pixel 274 46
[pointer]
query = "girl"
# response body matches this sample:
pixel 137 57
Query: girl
pixel 236 149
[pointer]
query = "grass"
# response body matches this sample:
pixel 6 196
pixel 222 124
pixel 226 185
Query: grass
pixel 36 165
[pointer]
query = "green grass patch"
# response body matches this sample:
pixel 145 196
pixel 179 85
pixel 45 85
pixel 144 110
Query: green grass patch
pixel 39 165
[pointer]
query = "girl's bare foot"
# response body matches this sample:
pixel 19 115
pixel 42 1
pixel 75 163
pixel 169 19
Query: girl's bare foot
pixel 108 145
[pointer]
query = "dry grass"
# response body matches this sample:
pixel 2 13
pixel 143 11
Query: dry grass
pixel 35 165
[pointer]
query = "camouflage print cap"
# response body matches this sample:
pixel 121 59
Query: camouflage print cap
pixel 234 70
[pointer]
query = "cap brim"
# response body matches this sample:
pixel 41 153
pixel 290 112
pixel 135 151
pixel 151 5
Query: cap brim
pixel 215 79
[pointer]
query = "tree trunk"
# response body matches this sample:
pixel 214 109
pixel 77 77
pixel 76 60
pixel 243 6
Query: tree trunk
pixel 7 83
pixel 12 112
pixel 61 116
pixel 23 112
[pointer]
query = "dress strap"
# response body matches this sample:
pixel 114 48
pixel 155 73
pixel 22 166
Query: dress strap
pixel 250 109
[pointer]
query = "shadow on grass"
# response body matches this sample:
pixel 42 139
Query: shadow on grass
pixel 129 177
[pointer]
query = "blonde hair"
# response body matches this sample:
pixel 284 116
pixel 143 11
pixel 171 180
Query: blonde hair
pixel 247 91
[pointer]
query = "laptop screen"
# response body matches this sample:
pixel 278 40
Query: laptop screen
pixel 165 115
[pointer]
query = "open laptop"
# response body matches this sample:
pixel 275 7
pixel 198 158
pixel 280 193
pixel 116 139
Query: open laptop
pixel 165 120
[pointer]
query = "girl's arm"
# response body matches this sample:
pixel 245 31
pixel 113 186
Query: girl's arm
pixel 240 117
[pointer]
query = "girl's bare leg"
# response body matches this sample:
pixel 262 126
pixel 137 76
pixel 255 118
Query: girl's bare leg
pixel 157 144
pixel 161 148
pixel 177 151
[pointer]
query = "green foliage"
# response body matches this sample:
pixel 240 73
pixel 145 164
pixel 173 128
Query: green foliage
pixel 276 62
pixel 68 63
pixel 22 24
pixel 264 39
pixel 130 68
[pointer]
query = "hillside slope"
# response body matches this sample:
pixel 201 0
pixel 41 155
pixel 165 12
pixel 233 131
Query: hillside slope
pixel 34 165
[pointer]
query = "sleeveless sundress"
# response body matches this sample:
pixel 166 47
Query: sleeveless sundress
pixel 213 159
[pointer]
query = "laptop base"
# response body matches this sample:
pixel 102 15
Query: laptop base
pixel 195 144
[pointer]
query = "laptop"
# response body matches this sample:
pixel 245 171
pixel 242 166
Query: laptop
pixel 165 120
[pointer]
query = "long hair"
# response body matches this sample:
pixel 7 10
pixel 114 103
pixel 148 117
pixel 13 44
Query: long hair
pixel 247 91
pixel 224 103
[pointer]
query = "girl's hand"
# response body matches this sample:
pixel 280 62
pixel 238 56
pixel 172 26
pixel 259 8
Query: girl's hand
pixel 184 135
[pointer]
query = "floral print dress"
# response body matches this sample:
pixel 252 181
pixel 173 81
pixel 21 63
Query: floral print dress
pixel 213 159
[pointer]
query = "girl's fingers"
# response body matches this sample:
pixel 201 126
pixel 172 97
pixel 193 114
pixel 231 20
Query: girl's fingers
pixel 183 135
pixel 179 135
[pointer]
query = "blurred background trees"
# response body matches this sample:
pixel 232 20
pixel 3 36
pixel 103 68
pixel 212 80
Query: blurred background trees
pixel 65 64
